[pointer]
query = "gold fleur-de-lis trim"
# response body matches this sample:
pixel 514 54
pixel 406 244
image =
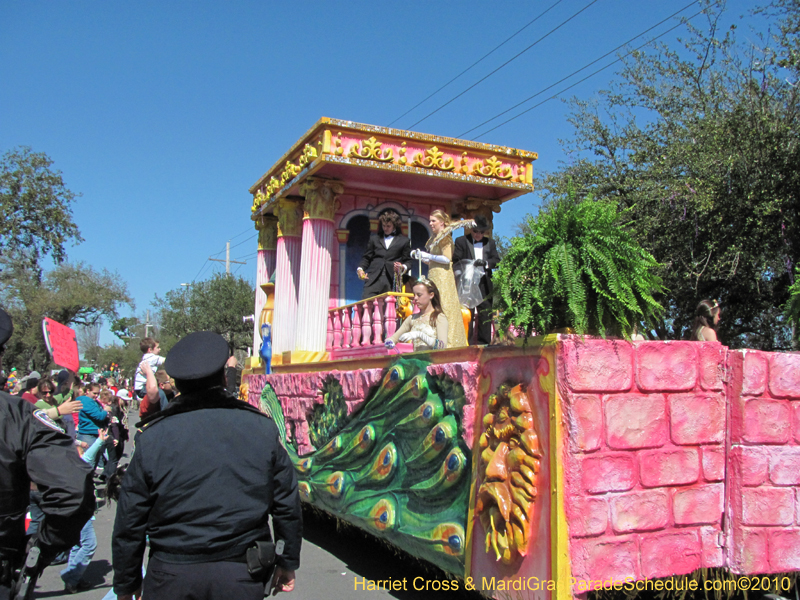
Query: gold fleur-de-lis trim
pixel 371 151
pixel 493 168
pixel 433 160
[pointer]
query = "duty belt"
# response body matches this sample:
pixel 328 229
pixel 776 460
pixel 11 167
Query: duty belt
pixel 228 555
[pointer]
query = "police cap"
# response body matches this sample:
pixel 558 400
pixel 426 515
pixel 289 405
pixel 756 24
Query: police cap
pixel 6 327
pixel 198 355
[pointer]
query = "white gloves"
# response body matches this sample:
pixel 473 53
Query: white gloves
pixel 418 335
pixel 427 257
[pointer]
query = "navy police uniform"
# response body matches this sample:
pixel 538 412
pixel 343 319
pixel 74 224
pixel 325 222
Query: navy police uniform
pixel 206 475
pixel 33 448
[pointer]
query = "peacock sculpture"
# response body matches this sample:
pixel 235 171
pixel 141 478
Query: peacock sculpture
pixel 397 467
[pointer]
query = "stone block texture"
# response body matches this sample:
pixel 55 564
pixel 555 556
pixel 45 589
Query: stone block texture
pixel 654 462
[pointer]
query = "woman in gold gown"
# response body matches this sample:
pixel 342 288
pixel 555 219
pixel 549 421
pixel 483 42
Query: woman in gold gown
pixel 439 258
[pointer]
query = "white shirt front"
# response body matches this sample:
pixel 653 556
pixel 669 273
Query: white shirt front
pixel 387 241
pixel 478 246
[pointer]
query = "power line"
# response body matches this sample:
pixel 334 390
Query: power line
pixel 622 45
pixel 513 58
pixel 508 39
pixel 255 235
pixel 589 76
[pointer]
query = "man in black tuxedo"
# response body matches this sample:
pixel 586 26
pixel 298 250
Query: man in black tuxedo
pixel 482 250
pixel 388 252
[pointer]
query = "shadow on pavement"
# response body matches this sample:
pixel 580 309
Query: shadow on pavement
pixel 371 558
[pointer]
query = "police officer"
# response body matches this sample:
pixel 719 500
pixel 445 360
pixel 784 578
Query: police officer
pixel 34 448
pixel 207 473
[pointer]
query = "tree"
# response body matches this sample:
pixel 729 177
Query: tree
pixel 217 304
pixel 702 146
pixel 89 341
pixel 72 294
pixel 35 209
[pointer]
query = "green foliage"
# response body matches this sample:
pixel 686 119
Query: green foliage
pixel 793 306
pixel 577 266
pixel 217 304
pixel 72 294
pixel 35 209
pixel 701 145
pixel 328 418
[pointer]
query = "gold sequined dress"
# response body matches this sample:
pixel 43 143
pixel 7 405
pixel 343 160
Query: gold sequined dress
pixel 442 276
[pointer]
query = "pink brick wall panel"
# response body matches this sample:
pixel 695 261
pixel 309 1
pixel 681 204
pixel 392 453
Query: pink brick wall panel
pixel 597 365
pixel 713 460
pixel 666 366
pixel 796 411
pixel 784 466
pixel 750 553
pixel 697 418
pixel 712 365
pixel 699 505
pixel 602 559
pixel 587 517
pixel 713 555
pixel 767 421
pixel 797 507
pixel 640 511
pixel 636 421
pixel 585 415
pixel 608 473
pixel 784 375
pixel 764 506
pixel 754 373
pixel 752 465
pixel 669 467
pixel 666 554
pixel 784 550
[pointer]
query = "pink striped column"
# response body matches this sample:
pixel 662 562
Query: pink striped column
pixel 315 266
pixel 287 274
pixel 267 227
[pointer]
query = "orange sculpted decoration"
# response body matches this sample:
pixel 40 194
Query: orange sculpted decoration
pixel 510 455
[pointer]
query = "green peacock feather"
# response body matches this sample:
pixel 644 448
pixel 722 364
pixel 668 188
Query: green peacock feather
pixel 398 467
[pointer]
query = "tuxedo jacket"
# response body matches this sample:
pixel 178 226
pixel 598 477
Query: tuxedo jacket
pixel 465 248
pixel 378 263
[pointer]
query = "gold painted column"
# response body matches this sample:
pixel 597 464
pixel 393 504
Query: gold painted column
pixel 287 275
pixel 267 227
pixel 315 266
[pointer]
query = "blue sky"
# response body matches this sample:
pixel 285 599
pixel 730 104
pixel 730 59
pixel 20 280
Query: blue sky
pixel 162 114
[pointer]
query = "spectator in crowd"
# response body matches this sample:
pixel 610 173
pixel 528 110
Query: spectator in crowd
pixel 92 416
pixel 150 355
pixel 81 554
pixel 706 318
pixel 151 401
pixel 29 387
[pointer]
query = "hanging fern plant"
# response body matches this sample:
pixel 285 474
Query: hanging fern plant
pixel 578 267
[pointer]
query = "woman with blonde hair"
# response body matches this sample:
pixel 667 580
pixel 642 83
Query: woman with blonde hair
pixel 427 329
pixel 438 256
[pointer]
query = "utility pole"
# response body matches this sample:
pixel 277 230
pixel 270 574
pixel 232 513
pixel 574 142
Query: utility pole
pixel 147 325
pixel 228 260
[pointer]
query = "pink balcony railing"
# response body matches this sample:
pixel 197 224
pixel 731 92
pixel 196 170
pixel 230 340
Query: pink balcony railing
pixel 361 328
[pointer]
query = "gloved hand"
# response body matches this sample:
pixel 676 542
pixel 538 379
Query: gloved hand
pixel 418 335
pixel 390 344
pixel 479 263
pixel 415 254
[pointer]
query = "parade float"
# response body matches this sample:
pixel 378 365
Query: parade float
pixel 542 470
